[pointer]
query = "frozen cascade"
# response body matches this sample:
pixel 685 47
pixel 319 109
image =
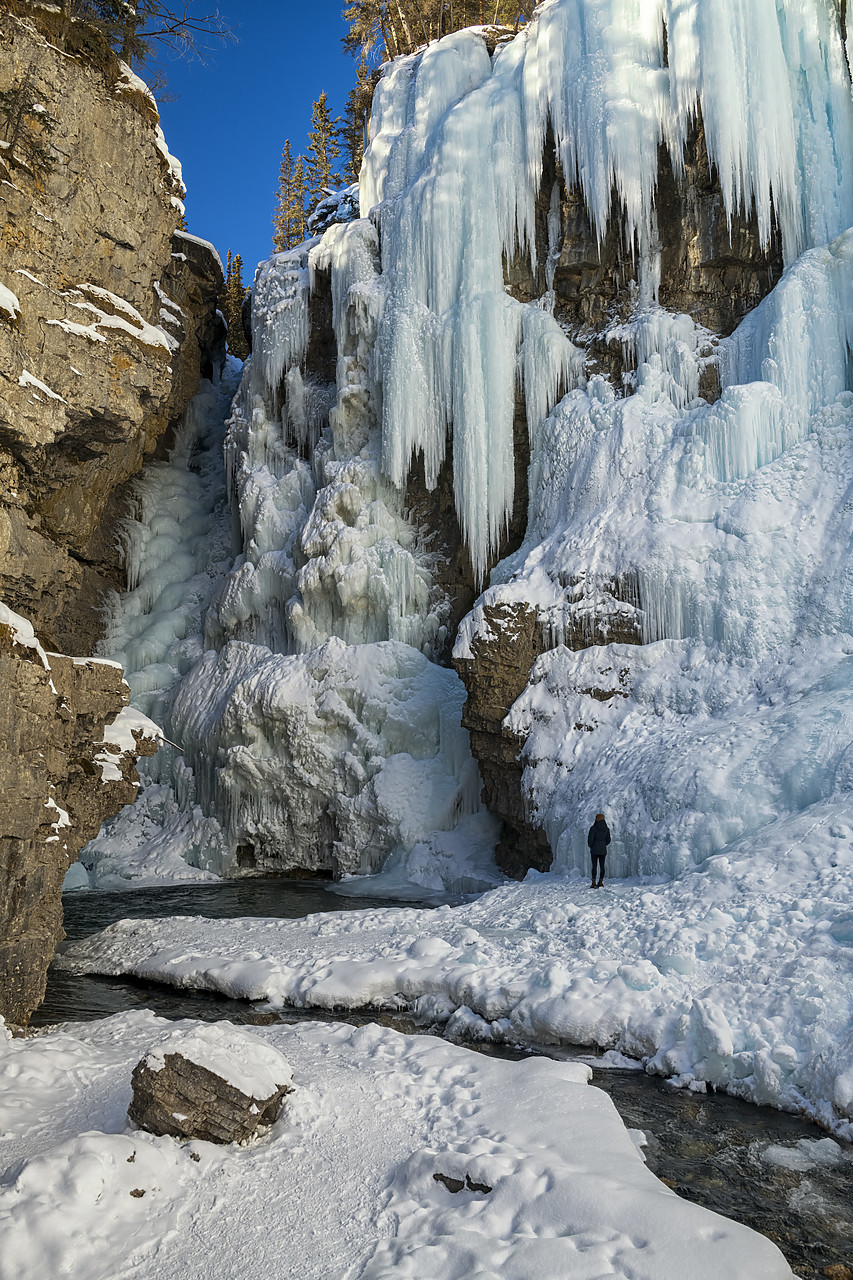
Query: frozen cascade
pixel 360 746
pixel 454 166
pixel 328 550
pixel 177 549
pixel 689 505
pixel 732 521
pixel 313 731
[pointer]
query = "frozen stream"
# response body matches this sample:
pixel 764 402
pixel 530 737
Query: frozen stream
pixel 754 1164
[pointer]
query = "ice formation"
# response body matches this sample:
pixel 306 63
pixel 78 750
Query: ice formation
pixel 454 167
pixel 718 531
pixel 359 748
pixel 328 548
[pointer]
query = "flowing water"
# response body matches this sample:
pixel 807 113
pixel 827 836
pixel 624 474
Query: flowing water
pixel 754 1164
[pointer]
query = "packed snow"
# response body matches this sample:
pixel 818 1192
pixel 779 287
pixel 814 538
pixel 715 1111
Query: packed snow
pixel 23 633
pixel 120 738
pixel 352 1180
pixel 738 975
pixel 9 304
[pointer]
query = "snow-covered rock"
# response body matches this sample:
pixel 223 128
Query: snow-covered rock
pixel 215 1083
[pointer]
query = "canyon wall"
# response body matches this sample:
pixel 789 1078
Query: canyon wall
pixel 107 316
pixel 108 319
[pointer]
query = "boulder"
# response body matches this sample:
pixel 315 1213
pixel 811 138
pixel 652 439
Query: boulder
pixel 216 1083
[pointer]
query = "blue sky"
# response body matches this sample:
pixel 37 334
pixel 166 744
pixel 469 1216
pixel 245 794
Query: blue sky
pixel 232 115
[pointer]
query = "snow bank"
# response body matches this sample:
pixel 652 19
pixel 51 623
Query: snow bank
pixel 738 975
pixel 568 1193
pixel 120 738
pixel 10 307
pixel 22 632
pixel 164 838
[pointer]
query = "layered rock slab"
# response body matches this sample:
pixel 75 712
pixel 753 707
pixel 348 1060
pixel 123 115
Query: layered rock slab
pixel 59 781
pixel 214 1083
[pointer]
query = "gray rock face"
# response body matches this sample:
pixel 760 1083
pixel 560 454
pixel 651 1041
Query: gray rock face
pixel 186 1100
pixel 114 322
pixel 53 799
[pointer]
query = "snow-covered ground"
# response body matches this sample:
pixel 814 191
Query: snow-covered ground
pixel 738 974
pixel 344 1185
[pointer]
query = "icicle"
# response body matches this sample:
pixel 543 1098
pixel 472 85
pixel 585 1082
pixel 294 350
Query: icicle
pixel 454 166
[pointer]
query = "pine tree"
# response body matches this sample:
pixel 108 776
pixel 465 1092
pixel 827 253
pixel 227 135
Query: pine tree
pixel 323 151
pixel 353 130
pixel 232 306
pixel 289 217
pixel 299 218
pixel 388 28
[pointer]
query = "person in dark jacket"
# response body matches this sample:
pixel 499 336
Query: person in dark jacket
pixel 598 839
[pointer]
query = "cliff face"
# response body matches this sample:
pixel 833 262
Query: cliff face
pixel 107 317
pixel 59 780
pixel 107 321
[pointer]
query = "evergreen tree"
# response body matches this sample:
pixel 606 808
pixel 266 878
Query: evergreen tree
pixel 354 128
pixel 289 217
pixel 232 306
pixel 323 151
pixel 298 215
pixel 388 28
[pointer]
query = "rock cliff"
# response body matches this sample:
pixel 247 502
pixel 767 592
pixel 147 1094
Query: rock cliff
pixel 108 320
pixel 65 767
pixel 107 317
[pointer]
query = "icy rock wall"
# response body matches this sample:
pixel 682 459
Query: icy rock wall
pixel 732 522
pixel 453 172
pixel 643 514
pixel 178 547
pixel 339 742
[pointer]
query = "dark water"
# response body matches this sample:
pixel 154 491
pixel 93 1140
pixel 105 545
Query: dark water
pixel 707 1147
pixel 87 912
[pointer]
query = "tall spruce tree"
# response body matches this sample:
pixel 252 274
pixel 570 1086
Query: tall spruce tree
pixel 354 128
pixel 289 217
pixel 232 306
pixel 323 151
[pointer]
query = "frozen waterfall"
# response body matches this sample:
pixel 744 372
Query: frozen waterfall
pixel 302 683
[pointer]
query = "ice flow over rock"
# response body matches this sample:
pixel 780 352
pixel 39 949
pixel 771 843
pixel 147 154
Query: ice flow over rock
pixel 727 520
